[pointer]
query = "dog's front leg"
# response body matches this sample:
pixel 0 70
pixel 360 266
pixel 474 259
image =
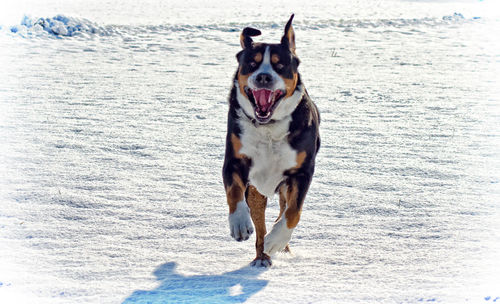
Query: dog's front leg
pixel 235 176
pixel 240 224
pixel 293 192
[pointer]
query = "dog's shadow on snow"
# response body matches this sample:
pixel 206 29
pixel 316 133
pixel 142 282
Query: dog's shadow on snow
pixel 230 287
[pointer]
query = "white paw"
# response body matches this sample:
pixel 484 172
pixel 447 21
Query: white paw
pixel 278 238
pixel 240 223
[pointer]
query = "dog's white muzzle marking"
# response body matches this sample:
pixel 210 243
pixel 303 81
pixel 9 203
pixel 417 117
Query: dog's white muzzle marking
pixel 267 68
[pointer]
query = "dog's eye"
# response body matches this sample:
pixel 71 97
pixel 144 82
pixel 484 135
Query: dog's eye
pixel 253 64
pixel 279 66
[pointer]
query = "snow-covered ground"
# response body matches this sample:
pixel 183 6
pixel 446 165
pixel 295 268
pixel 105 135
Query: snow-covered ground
pixel 112 129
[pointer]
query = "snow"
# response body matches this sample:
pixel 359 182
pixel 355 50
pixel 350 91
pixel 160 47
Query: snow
pixel 112 127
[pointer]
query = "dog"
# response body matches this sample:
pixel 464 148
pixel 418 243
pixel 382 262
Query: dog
pixel 271 144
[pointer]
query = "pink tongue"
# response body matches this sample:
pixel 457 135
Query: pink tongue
pixel 261 98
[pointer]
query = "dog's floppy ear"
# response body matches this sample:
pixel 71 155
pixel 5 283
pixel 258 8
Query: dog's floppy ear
pixel 245 37
pixel 288 38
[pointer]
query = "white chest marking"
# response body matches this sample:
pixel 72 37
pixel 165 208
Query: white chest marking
pixel 270 152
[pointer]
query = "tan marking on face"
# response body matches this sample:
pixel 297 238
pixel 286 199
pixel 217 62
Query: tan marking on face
pixel 257 203
pixel 258 57
pixel 290 84
pixel 234 193
pixel 275 58
pixel 243 82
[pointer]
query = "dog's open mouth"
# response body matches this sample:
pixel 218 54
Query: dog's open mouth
pixel 265 102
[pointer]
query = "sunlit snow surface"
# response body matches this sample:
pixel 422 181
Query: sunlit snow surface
pixel 112 133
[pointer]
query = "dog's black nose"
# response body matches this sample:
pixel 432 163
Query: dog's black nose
pixel 264 79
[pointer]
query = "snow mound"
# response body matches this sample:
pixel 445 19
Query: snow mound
pixel 64 26
pixel 59 25
pixel 456 17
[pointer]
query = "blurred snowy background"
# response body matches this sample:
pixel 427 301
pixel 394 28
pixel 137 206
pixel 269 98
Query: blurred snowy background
pixel 112 129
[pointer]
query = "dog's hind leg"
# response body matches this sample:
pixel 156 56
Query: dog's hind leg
pixel 282 192
pixel 257 203
pixel 282 201
pixel 280 235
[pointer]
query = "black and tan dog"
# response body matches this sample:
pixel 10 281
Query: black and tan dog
pixel 272 141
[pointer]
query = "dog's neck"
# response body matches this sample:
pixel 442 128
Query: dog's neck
pixel 269 132
pixel 254 121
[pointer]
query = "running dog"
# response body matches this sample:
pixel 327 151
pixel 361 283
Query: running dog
pixel 272 142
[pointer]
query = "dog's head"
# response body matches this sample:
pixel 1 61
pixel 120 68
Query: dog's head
pixel 267 76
